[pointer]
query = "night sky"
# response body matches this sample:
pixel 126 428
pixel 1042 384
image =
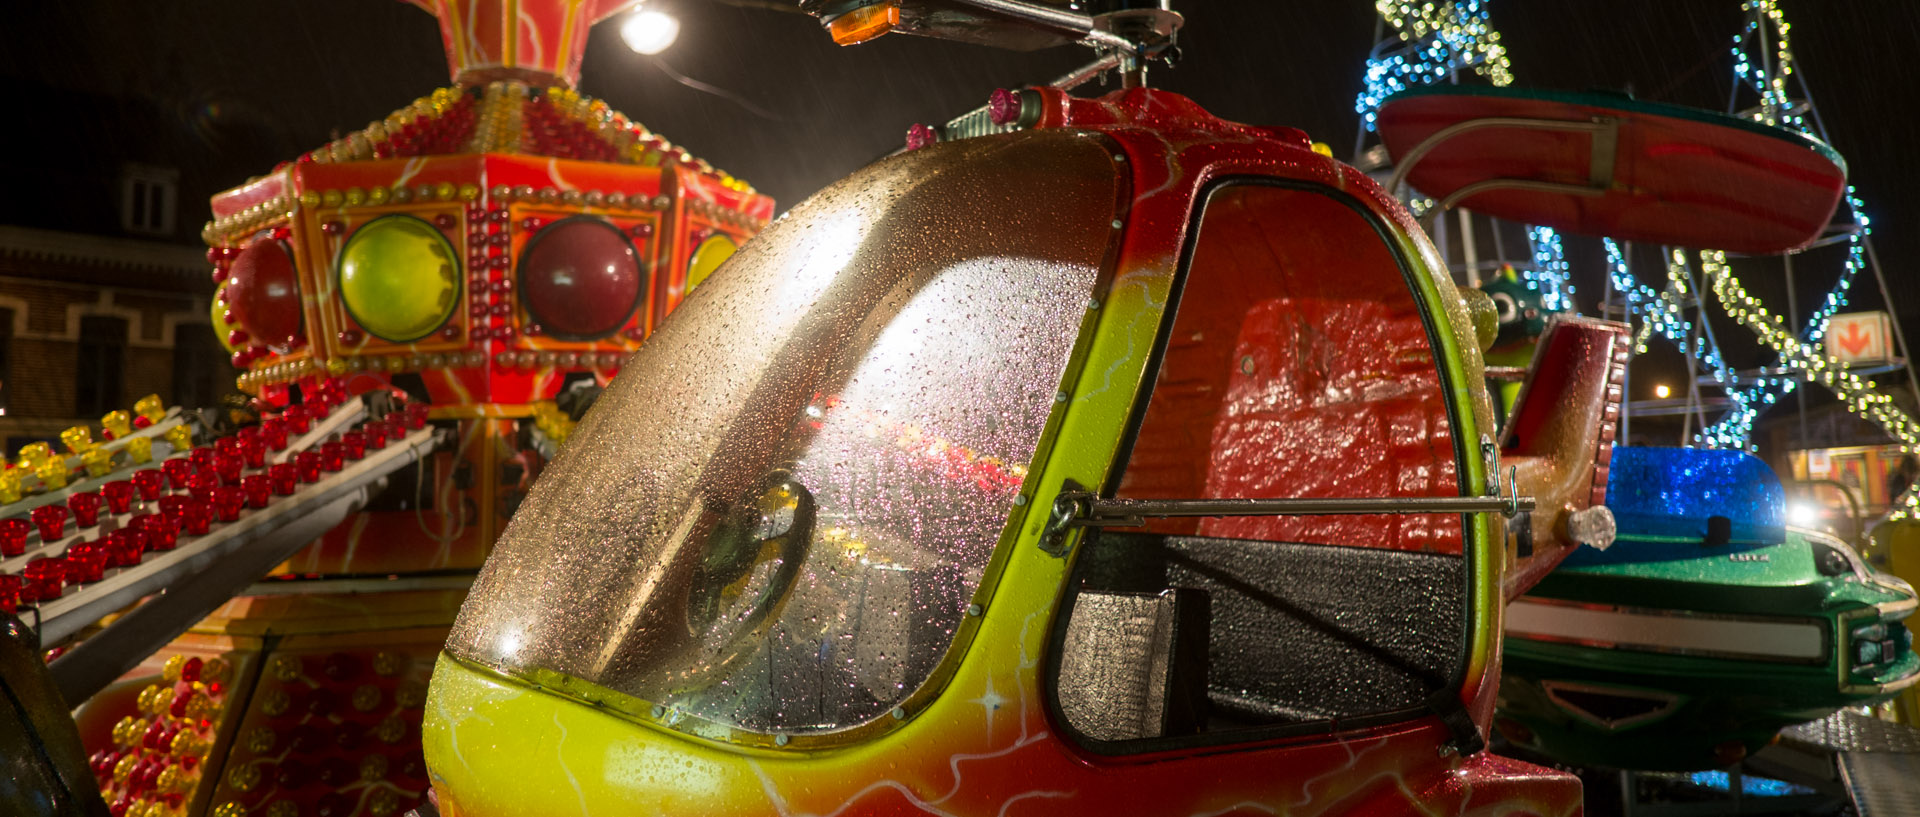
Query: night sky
pixel 224 89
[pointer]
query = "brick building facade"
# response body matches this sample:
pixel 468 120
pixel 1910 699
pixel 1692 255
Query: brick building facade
pixel 88 324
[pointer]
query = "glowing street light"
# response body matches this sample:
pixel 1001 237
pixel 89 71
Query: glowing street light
pixel 649 32
pixel 1661 391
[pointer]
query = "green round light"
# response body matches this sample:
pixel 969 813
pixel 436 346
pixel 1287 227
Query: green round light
pixel 707 257
pixel 399 277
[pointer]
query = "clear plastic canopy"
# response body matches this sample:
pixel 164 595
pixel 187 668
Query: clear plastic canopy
pixel 775 517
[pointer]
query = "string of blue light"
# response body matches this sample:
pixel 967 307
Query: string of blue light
pixel 1441 38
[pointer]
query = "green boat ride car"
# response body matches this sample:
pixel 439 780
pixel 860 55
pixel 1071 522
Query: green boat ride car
pixel 1704 629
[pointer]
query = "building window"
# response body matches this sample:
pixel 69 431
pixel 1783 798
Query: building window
pixel 6 359
pixel 147 199
pixel 101 363
pixel 201 368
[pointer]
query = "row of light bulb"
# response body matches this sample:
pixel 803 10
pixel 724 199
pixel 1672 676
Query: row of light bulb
pixel 1550 275
pixel 1775 105
pixel 1445 37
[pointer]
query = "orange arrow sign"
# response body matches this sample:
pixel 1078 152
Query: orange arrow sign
pixel 1853 341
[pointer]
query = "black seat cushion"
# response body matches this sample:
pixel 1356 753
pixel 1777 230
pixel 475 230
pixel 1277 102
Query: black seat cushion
pixel 1304 632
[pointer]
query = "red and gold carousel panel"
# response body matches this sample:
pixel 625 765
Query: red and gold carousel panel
pixel 469 257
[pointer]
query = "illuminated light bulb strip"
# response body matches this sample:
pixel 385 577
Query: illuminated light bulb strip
pixel 1549 275
pixel 1679 276
pixel 1662 313
pixel 1775 106
pixel 1856 261
pixel 1442 38
pixel 1768 390
pixel 1855 392
pixel 1735 427
pixel 1777 109
pixel 1658 311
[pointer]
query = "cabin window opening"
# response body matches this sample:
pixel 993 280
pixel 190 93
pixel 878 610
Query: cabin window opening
pixel 1299 363
pixel 6 360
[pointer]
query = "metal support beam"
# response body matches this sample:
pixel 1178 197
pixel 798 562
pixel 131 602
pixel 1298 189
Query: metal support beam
pixel 1893 316
pixel 1469 248
pixel 1793 315
pixel 183 585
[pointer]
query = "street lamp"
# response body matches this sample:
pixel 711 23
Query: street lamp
pixel 649 32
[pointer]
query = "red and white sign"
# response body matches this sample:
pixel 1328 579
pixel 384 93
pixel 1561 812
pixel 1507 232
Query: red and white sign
pixel 1859 337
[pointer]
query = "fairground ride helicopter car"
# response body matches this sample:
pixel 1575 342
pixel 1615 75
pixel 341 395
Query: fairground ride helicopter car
pixel 1119 460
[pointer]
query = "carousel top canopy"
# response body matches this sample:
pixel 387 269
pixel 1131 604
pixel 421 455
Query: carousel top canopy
pixel 489 236
pixel 538 43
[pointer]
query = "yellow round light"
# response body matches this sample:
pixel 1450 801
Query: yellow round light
pixel 221 329
pixel 707 258
pixel 399 277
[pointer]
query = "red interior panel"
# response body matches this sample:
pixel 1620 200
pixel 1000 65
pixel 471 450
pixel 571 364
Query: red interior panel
pixel 1298 367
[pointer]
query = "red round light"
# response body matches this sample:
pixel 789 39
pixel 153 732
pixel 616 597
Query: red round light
pixel 1003 106
pixel 580 278
pixel 262 292
pixel 920 136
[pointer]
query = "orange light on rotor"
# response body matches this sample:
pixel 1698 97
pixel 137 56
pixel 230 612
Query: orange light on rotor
pixel 865 23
